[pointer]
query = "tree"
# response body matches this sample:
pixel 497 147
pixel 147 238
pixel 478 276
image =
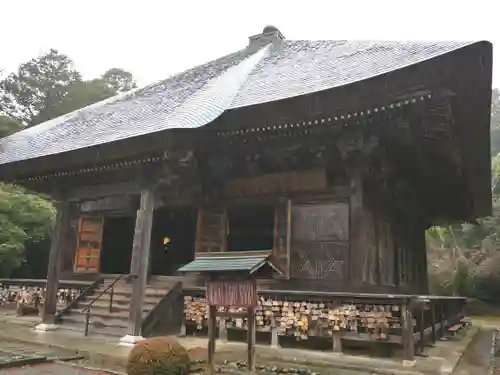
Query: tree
pixel 25 218
pixel 465 258
pixel 41 89
pixel 81 94
pixel 495 122
pixel 8 126
pixel 39 86
pixel 48 86
pixel 118 80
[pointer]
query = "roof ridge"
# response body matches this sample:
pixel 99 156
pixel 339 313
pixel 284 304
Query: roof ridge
pixel 233 78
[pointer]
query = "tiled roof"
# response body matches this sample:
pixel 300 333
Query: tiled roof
pixel 237 263
pixel 198 96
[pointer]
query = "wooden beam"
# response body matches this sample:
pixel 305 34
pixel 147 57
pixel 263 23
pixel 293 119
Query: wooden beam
pixel 59 236
pixel 104 190
pixel 140 260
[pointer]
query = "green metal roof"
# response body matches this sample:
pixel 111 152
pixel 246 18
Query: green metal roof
pixel 238 263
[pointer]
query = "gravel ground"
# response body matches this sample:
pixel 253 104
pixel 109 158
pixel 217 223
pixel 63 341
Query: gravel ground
pixel 51 368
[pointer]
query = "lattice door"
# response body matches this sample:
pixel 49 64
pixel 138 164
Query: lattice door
pixel 320 240
pixel 89 243
pixel 211 230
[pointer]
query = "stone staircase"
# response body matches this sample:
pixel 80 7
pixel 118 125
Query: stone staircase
pixel 115 323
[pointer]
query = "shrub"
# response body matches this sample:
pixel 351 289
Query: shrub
pixel 158 356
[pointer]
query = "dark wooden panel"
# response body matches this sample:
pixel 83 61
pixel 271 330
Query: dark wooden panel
pixel 211 230
pixel 232 293
pixel 319 260
pixel 386 253
pixel 321 222
pixel 367 258
pixel 287 182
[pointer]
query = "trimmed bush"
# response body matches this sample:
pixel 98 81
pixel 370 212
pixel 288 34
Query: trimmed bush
pixel 158 356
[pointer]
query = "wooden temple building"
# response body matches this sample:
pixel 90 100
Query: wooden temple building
pixel 325 159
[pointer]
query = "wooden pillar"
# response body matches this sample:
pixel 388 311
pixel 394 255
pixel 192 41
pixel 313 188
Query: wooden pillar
pixel 433 322
pixel 337 341
pixel 140 261
pixel 355 228
pixel 222 329
pixel 251 339
pixel 407 333
pixel 422 331
pixel 274 333
pixel 212 312
pixel 422 254
pixel 59 234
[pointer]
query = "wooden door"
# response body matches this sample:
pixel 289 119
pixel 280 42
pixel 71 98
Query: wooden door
pixel 89 243
pixel 211 230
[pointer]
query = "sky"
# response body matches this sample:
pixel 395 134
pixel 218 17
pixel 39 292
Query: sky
pixel 155 39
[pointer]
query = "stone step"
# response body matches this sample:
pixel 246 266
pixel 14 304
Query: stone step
pixel 102 322
pixel 118 304
pixel 97 321
pixel 106 331
pixel 121 289
pixel 127 293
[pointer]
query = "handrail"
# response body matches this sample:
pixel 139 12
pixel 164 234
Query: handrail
pixel 82 295
pixel 86 310
pixel 162 310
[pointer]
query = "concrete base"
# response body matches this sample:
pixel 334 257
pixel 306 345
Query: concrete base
pixel 129 340
pixel 407 363
pixel 44 327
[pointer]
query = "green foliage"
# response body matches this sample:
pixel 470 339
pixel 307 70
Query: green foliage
pixel 38 86
pixel 118 80
pixel 49 86
pixel 158 356
pixel 8 126
pixel 495 122
pixel 41 89
pixel 465 258
pixel 24 218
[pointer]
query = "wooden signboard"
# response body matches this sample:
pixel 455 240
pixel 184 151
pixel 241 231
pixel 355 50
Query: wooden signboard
pixel 118 202
pixel 237 293
pixel 89 242
pixel 232 293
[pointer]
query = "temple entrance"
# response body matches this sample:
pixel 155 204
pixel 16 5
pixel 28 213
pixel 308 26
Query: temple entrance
pixel 172 240
pixel 117 243
pixel 250 228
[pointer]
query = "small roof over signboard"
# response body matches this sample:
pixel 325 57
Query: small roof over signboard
pixel 229 263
